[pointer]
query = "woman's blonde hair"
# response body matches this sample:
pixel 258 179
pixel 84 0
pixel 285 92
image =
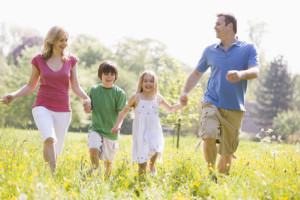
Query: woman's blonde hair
pixel 54 34
pixel 141 79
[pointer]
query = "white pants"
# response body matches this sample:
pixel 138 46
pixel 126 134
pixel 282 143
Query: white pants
pixel 52 125
pixel 108 148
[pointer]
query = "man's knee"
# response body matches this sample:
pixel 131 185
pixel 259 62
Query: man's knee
pixel 209 141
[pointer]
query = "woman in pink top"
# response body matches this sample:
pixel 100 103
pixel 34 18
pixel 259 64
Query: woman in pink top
pixel 51 111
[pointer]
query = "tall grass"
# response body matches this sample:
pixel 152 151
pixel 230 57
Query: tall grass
pixel 260 171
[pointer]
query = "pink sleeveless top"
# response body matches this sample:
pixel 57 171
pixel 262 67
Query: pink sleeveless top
pixel 53 92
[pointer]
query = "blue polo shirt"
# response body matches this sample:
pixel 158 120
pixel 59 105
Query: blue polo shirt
pixel 223 94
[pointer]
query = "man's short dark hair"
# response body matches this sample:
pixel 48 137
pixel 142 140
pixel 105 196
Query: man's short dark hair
pixel 229 18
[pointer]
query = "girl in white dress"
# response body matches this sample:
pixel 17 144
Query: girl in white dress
pixel 148 141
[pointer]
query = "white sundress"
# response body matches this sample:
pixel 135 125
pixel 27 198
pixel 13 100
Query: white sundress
pixel 146 132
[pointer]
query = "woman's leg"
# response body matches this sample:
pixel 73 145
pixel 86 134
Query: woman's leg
pixel 44 122
pixel 61 123
pixel 49 153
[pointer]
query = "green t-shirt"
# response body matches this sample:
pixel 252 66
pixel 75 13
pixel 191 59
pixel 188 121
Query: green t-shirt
pixel 106 103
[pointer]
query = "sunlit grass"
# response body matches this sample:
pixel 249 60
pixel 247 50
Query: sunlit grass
pixel 260 171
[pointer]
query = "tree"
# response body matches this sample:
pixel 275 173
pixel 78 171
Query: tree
pixel 138 55
pixel 274 93
pixel 296 95
pixel 28 41
pixel 170 87
pixel 18 113
pixel 256 32
pixel 89 50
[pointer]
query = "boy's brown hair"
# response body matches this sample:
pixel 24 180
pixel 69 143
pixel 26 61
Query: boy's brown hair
pixel 106 67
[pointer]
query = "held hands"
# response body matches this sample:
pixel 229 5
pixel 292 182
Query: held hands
pixel 234 76
pixel 7 99
pixel 183 99
pixel 87 105
pixel 115 130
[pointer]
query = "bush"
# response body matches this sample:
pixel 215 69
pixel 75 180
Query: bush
pixel 287 123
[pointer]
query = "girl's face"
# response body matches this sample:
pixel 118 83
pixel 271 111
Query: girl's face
pixel 148 84
pixel 61 44
pixel 108 79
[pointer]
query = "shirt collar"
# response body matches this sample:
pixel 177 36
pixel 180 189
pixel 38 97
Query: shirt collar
pixel 236 43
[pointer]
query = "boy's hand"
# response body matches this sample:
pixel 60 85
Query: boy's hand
pixel 87 105
pixel 115 130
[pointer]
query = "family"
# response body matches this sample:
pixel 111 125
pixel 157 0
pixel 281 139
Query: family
pixel 232 62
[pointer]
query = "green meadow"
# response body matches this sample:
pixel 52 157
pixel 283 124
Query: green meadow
pixel 261 170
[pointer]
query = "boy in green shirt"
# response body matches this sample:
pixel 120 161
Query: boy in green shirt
pixel 107 101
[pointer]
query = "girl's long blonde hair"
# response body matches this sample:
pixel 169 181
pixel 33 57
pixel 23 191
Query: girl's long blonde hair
pixel 141 78
pixel 54 34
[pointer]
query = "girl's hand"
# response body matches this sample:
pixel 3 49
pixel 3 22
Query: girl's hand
pixel 115 130
pixel 87 105
pixel 183 99
pixel 7 99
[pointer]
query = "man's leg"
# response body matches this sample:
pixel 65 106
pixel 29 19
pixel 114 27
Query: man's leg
pixel 224 164
pixel 210 152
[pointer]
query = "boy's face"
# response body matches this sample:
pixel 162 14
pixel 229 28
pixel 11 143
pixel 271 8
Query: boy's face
pixel 108 79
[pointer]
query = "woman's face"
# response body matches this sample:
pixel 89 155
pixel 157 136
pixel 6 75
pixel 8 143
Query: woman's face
pixel 61 44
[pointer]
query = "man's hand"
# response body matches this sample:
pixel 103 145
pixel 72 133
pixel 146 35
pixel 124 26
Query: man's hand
pixel 234 76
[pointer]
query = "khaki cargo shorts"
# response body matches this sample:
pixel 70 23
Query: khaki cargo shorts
pixel 223 125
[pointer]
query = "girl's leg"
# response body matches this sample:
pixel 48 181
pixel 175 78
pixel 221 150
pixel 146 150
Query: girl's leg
pixel 152 163
pixel 142 170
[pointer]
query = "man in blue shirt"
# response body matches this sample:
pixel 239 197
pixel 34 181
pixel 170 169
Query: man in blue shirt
pixel 232 63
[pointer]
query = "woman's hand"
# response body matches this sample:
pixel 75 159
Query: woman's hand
pixel 7 99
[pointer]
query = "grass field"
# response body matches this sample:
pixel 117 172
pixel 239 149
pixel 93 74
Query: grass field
pixel 260 171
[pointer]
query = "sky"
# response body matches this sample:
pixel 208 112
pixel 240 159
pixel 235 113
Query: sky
pixel 186 27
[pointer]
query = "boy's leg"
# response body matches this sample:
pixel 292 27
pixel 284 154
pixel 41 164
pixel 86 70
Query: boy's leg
pixel 109 151
pixel 108 168
pixel 94 143
pixel 94 156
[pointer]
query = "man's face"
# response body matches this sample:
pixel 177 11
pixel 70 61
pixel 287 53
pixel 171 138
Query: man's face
pixel 220 27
